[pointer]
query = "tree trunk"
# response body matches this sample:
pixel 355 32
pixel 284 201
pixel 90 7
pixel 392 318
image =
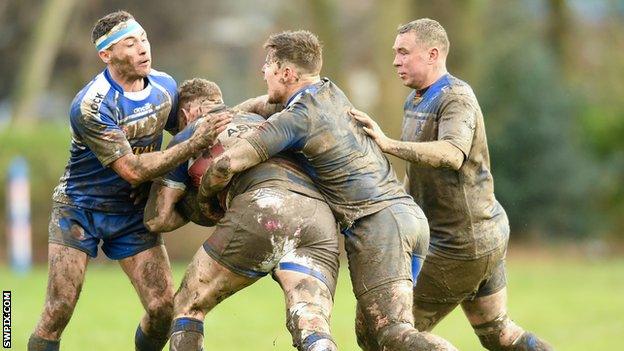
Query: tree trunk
pixel 36 68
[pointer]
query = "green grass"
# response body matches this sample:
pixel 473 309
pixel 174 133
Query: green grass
pixel 576 305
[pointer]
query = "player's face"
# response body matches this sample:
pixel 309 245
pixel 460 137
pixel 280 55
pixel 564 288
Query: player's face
pixel 276 89
pixel 411 60
pixel 132 57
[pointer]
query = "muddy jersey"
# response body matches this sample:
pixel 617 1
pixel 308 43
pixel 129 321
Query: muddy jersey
pixel 107 123
pixel 465 219
pixel 279 171
pixel 347 166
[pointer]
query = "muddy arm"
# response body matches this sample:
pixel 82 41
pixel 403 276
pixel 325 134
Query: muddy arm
pixel 160 213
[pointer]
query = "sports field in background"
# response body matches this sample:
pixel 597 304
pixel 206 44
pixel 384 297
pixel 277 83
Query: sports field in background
pixel 576 304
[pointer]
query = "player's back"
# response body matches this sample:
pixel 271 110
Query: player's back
pixel 347 166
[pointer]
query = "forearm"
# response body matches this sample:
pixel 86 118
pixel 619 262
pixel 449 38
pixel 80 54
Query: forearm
pixel 435 154
pixel 216 178
pixel 237 158
pixel 160 214
pixel 140 168
pixel 259 105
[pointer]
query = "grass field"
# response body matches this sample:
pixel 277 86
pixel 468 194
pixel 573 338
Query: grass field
pixel 575 304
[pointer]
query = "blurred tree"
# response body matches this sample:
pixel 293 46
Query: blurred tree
pixel 542 175
pixel 36 68
pixel 325 16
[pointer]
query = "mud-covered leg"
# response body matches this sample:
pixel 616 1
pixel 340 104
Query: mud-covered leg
pixel 206 283
pixel 66 271
pixel 496 331
pixel 150 274
pixel 308 308
pixel 387 310
pixel 365 336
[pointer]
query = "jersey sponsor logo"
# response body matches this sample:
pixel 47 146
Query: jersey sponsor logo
pixel 239 129
pixel 147 107
pixel 95 103
pixel 143 149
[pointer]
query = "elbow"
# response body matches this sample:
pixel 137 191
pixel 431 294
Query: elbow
pixel 452 158
pixel 156 225
pixel 153 224
pixel 456 162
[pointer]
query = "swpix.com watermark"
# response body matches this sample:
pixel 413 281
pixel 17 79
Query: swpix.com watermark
pixel 6 319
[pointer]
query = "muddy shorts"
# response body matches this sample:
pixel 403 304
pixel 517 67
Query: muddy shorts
pixel 122 235
pixel 381 247
pixel 444 283
pixel 269 229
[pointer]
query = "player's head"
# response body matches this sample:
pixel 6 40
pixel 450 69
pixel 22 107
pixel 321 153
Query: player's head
pixel 197 96
pixel 291 57
pixel 122 44
pixel 420 51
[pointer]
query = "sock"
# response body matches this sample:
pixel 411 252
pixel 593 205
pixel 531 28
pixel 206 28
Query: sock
pixel 36 343
pixel 186 334
pixel 144 342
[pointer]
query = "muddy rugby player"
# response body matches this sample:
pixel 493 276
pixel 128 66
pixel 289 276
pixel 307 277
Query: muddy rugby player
pixel 117 121
pixel 383 227
pixel 275 222
pixel 449 176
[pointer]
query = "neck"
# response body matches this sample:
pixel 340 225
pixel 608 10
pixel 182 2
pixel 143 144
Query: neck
pixel 304 81
pixel 433 77
pixel 128 83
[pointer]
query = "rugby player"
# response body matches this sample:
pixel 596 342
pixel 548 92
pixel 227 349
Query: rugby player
pixel 383 227
pixel 275 222
pixel 117 121
pixel 449 176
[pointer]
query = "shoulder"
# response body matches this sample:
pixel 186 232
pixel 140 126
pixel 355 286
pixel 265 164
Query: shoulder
pixel 93 98
pixel 163 79
pixel 458 91
pixel 457 87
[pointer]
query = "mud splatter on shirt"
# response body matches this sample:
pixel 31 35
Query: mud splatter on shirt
pixel 347 166
pixel 279 171
pixel 107 123
pixel 465 219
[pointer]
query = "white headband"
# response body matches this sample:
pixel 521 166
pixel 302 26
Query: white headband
pixel 117 33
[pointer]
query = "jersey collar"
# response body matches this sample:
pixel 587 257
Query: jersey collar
pixel 311 89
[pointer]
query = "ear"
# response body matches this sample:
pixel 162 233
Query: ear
pixel 289 75
pixel 185 116
pixel 105 55
pixel 434 53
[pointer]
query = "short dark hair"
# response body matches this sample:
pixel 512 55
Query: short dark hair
pixel 300 47
pixel 106 23
pixel 198 88
pixel 428 32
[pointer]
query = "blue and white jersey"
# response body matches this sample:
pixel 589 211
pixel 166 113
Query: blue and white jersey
pixel 106 124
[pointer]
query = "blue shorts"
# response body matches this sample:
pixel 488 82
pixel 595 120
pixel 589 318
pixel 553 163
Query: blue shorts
pixel 123 235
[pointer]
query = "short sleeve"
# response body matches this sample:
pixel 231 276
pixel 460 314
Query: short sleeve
pixel 99 131
pixel 284 130
pixel 457 121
